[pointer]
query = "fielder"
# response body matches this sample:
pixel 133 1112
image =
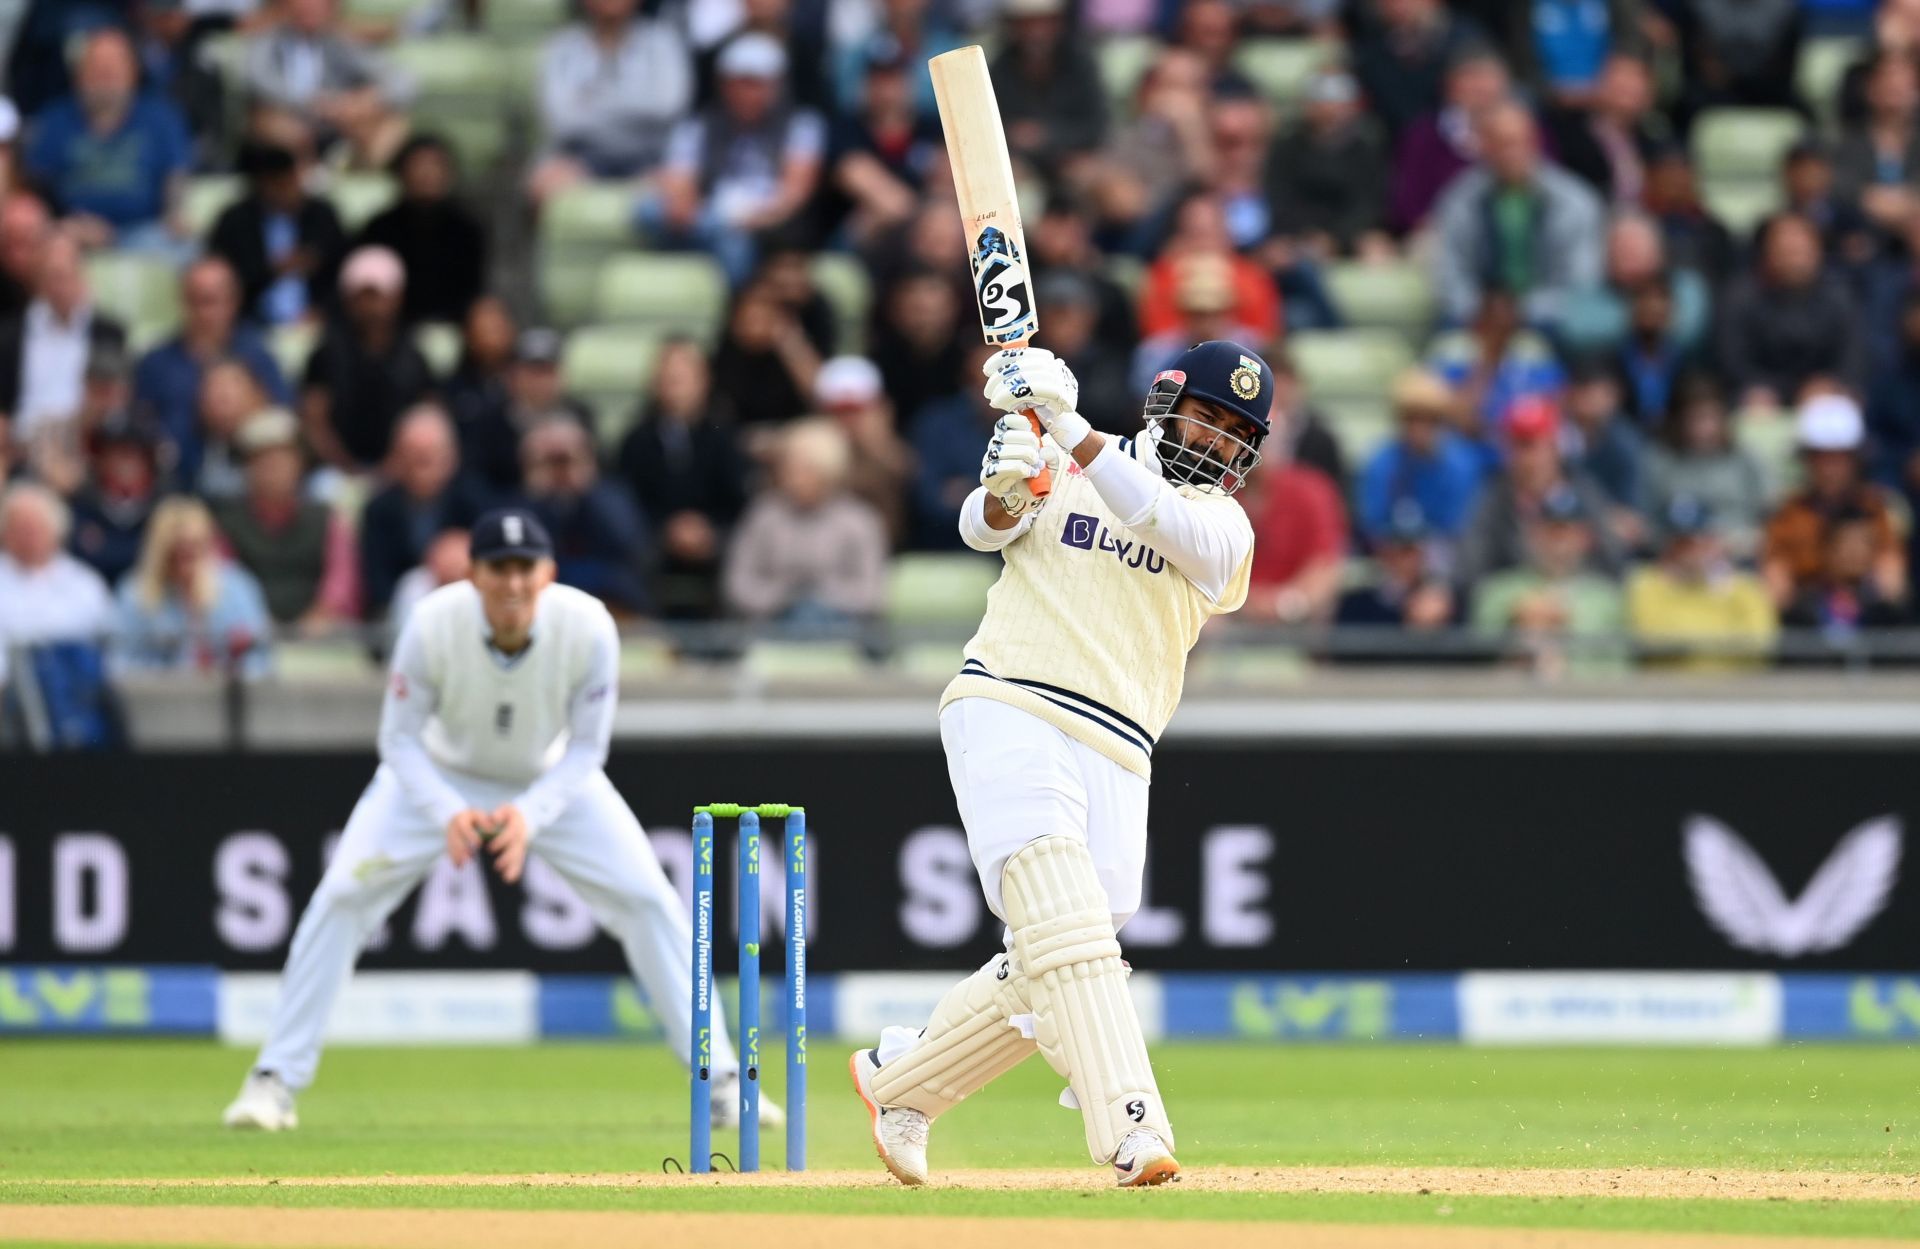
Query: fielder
pixel 1049 732
pixel 494 734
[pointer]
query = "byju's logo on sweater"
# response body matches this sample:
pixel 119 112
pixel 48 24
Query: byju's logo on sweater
pixel 1088 534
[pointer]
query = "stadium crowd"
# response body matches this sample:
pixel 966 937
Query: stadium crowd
pixel 1588 322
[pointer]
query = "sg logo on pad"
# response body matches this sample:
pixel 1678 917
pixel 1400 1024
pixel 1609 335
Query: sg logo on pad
pixel 1081 531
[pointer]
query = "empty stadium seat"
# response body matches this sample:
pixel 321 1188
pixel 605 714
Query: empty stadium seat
pixel 939 589
pixel 1359 363
pixel 1395 296
pixel 440 344
pixel 142 291
pixel 1744 144
pixel 803 661
pixel 1281 68
pixel 290 346
pixel 359 197
pixel 1124 60
pixel 380 10
pixel 463 92
pixel 1823 65
pixel 929 661
pixel 1741 206
pixel 320 662
pixel 1249 665
pixel 682 292
pixel 579 229
pixel 1126 272
pixel 843 283
pixel 609 366
pixel 207 196
pixel 525 18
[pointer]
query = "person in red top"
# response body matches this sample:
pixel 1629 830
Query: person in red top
pixel 1299 540
pixel 1200 228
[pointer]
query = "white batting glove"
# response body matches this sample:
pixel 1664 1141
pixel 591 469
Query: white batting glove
pixel 1034 378
pixel 1014 457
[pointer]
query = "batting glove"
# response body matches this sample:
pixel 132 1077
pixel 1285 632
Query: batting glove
pixel 1015 456
pixel 1034 378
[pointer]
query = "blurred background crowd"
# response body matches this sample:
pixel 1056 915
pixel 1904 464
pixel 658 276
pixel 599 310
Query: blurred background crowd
pixel 1596 322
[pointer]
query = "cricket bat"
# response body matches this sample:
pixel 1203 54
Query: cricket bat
pixel 989 207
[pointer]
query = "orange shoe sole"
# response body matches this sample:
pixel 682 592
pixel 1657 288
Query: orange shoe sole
pixel 1153 1174
pixel 873 1122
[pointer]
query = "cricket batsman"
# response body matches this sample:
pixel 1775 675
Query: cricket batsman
pixel 1049 732
pixel 493 737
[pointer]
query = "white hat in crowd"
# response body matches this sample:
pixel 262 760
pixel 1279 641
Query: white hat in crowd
pixel 847 380
pixel 1830 423
pixel 753 55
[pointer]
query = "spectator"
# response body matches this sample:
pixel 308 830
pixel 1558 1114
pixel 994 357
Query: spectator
pixel 1210 30
pixel 110 511
pixel 1162 147
pixel 801 28
pixel 1878 160
pixel 300 551
pixel 1788 323
pixel 786 268
pixel 1300 539
pixel 111 155
pixel 599 537
pixel 1649 358
pixel 534 394
pixel 1495 363
pixel 1602 443
pixel 1846 595
pixel 1694 608
pixel 1204 302
pixel 1695 238
pixel 749 164
pixel 46 595
pixel 883 153
pixel 1807 184
pixel 1051 99
pixel 1427 465
pixel 1496 536
pixel 849 389
pixel 1597 318
pixel 1072 327
pixel 1893 408
pixel 1407 587
pixel 284 244
pixel 1738 52
pixel 1240 132
pixel 479 381
pixel 1297 424
pixel 611 87
pixel 1439 146
pixel 1200 229
pixel 948 434
pixel 448 559
pixel 24 225
pixel 682 462
pixel 1608 143
pixel 427 496
pixel 913 30
pixel 184 607
pixel 1891 284
pixel 1554 609
pixel 1400 57
pixel 1698 459
pixel 808 553
pixel 58 452
pixel 44 351
pixel 168 381
pixel 308 68
pixel 1518 222
pixel 1062 242
pixel 441 243
pixel 366 370
pixel 765 365
pixel 230 395
pixel 1832 435
pixel 1326 176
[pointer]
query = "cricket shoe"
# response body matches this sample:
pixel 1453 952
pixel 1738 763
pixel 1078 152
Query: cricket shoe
pixel 1143 1160
pixel 726 1105
pixel 265 1103
pixel 899 1132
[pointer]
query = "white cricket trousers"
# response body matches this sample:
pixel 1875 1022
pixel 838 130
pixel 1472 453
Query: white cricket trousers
pixel 386 851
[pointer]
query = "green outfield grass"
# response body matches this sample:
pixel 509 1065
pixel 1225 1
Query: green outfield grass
pixel 124 1109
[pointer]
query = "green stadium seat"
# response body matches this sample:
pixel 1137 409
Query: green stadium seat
pixel 1741 206
pixel 804 661
pixel 1124 60
pixel 525 19
pixel 440 343
pixel 843 282
pixel 678 292
pixel 380 10
pixel 645 657
pixel 359 197
pixel 610 366
pixel 579 229
pixel 928 661
pixel 1396 296
pixel 1281 68
pixel 142 291
pixel 939 589
pixel 1126 272
pixel 320 662
pixel 1348 364
pixel 464 91
pixel 207 196
pixel 1360 425
pixel 1249 665
pixel 290 346
pixel 1822 68
pixel 1744 144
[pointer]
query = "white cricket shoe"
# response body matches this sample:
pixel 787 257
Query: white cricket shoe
pixel 899 1132
pixel 726 1105
pixel 1144 1160
pixel 264 1103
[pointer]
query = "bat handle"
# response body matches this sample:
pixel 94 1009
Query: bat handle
pixel 1041 485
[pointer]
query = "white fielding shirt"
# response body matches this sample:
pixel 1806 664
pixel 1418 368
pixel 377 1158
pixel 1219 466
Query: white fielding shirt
pixel 542 719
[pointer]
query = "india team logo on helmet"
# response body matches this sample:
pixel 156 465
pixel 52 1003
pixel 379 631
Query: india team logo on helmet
pixel 1245 380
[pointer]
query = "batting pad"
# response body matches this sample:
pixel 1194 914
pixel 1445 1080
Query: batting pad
pixel 971 1041
pixel 1084 1020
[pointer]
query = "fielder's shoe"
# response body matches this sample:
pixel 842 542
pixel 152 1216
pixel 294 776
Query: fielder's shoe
pixel 899 1133
pixel 1143 1160
pixel 726 1105
pixel 264 1103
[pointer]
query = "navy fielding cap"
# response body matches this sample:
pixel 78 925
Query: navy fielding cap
pixel 1228 374
pixel 510 533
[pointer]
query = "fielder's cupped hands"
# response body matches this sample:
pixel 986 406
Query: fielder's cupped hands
pixel 465 831
pixel 508 842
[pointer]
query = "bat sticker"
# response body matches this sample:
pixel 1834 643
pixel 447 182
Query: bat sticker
pixel 1000 285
